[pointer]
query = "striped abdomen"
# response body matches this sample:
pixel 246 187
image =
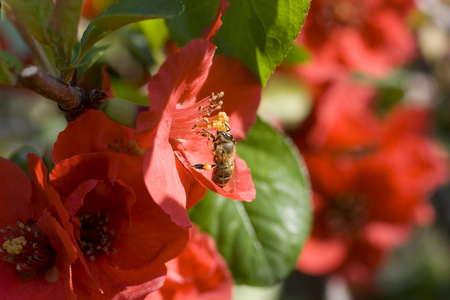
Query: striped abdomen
pixel 223 172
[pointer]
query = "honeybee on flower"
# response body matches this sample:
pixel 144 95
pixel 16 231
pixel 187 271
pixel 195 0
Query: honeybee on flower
pixel 223 151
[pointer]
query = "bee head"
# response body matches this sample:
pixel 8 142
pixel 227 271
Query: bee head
pixel 224 136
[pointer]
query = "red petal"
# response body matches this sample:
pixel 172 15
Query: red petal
pixel 341 125
pixel 199 273
pixel 76 199
pixel 322 256
pixel 81 168
pixel 181 75
pixel 44 195
pixel 13 287
pixel 164 185
pixel 151 238
pixel 210 32
pixel 63 242
pixel 194 190
pixel 385 235
pixel 242 92
pixel 122 284
pixel 91 132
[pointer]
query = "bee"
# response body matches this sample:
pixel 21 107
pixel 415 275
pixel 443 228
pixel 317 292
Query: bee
pixel 224 151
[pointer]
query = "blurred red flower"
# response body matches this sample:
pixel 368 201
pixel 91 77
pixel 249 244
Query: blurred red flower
pixel 37 252
pixel 92 8
pixel 200 272
pixel 369 36
pixel 371 186
pixel 180 99
pixel 125 237
pixel 341 117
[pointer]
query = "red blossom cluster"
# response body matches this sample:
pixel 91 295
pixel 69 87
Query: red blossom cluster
pixel 370 36
pixel 371 174
pixel 371 178
pixel 110 220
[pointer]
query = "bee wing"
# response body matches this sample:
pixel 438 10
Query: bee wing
pixel 231 185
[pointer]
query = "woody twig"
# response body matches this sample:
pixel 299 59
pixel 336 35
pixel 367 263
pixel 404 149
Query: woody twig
pixel 71 99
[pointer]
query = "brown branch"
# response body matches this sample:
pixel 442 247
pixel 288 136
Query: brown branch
pixel 71 99
pixel 68 97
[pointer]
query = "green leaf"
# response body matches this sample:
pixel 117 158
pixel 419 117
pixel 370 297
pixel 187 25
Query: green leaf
pixel 130 11
pixel 261 32
pixel 126 12
pixel 65 23
pixel 198 15
pixel 121 111
pixel 90 58
pixel 261 240
pixel 34 15
pixel 129 92
pixel 156 32
pixel 258 32
pixel 297 55
pixel 8 64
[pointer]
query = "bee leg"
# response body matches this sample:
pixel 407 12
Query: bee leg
pixel 208 134
pixel 210 137
pixel 203 167
pixel 211 150
pixel 197 166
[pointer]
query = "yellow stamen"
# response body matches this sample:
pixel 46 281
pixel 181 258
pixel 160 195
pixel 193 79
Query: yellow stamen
pixel 220 121
pixel 212 122
pixel 14 246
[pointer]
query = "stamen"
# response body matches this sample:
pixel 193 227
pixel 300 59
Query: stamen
pixel 95 235
pixel 220 122
pixel 27 249
pixel 199 115
pixel 15 245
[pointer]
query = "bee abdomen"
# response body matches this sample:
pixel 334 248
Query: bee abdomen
pixel 221 175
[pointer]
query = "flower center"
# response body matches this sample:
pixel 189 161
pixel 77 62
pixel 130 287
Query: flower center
pixel 28 249
pixel 95 235
pixel 342 12
pixel 189 119
pixel 346 214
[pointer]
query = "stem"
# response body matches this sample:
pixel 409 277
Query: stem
pixel 68 97
pixel 71 99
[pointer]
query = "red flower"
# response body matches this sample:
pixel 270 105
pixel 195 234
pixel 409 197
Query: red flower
pixel 93 132
pixel 369 191
pixel 99 177
pixel 37 252
pixel 200 272
pixel 180 98
pixel 342 117
pixel 124 236
pixel 368 36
